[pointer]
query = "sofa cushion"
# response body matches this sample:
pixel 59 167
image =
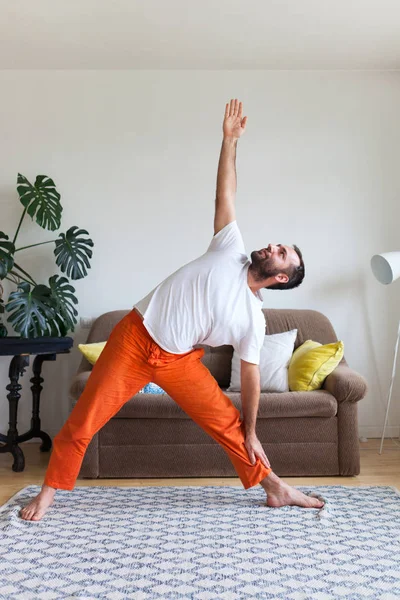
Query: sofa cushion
pixel 275 356
pixel 311 364
pixel 318 403
pixel 218 361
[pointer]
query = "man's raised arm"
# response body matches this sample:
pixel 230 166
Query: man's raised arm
pixel 233 127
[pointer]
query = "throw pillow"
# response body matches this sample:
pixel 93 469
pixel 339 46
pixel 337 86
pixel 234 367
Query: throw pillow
pixel 151 388
pixel 92 353
pixel 311 363
pixel 275 355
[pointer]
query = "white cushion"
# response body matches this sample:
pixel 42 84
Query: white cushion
pixel 275 356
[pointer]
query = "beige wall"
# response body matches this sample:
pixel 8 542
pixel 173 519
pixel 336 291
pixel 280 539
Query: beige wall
pixel 134 155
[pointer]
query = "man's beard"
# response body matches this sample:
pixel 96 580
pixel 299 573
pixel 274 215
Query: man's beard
pixel 262 268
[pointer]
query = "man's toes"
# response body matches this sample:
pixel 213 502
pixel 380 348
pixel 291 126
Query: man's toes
pixel 38 513
pixel 27 512
pixel 318 503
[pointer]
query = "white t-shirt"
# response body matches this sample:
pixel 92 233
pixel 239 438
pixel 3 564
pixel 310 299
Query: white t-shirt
pixel 208 301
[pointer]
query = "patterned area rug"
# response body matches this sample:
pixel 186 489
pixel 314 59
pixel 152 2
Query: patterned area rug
pixel 205 543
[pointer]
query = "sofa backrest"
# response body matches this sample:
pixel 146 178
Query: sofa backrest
pixel 310 325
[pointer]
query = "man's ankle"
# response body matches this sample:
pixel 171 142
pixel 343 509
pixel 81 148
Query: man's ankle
pixel 48 488
pixel 270 482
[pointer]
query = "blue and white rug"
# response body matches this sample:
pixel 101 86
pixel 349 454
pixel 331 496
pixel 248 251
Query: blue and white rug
pixel 203 543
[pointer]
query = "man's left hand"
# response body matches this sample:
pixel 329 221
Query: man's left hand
pixel 234 124
pixel 254 449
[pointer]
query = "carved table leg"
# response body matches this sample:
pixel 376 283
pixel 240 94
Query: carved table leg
pixel 17 367
pixel 37 380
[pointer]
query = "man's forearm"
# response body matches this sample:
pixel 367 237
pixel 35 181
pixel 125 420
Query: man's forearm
pixel 250 396
pixel 226 177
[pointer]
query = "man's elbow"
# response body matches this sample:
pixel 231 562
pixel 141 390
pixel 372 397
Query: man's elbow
pixel 249 373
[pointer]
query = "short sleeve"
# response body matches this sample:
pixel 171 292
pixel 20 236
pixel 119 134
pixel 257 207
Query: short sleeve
pixel 228 239
pixel 249 348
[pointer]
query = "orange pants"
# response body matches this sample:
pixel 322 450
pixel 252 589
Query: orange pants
pixel 130 360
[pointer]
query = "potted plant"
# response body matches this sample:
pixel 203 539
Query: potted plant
pixel 36 309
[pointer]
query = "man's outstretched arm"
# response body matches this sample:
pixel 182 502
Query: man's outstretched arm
pixel 233 127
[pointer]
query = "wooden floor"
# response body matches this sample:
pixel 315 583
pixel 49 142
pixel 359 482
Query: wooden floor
pixel 376 469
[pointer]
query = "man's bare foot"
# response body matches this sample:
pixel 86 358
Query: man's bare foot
pixel 280 493
pixel 37 507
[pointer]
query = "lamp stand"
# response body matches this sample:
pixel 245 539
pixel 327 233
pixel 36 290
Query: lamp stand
pixel 391 387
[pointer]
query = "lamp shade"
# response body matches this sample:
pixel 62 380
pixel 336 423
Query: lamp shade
pixel 386 266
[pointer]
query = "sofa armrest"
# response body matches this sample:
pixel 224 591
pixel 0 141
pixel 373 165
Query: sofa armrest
pixel 77 385
pixel 345 384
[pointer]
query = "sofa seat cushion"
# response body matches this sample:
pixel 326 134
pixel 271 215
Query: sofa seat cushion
pixel 317 403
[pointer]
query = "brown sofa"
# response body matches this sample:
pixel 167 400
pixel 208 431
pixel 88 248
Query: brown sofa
pixel 303 433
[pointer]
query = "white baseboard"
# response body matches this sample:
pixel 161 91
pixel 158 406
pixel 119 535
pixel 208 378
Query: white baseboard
pixel 376 432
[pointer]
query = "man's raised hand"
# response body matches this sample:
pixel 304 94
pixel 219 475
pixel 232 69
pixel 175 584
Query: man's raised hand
pixel 234 124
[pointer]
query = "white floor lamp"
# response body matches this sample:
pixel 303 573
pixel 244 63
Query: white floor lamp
pixel 386 268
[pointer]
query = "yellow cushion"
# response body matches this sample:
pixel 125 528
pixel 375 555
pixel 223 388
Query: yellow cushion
pixel 311 363
pixel 92 351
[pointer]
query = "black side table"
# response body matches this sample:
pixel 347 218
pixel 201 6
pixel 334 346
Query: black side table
pixel 46 348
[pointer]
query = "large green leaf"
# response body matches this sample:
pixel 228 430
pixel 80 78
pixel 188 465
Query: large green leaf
pixel 31 311
pixel 72 252
pixel 42 200
pixel 7 250
pixel 66 313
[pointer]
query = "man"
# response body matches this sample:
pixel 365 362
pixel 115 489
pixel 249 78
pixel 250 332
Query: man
pixel 212 300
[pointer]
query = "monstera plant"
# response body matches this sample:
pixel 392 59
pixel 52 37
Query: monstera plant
pixel 36 309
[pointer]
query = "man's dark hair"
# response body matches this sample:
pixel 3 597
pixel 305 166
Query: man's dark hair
pixel 295 274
